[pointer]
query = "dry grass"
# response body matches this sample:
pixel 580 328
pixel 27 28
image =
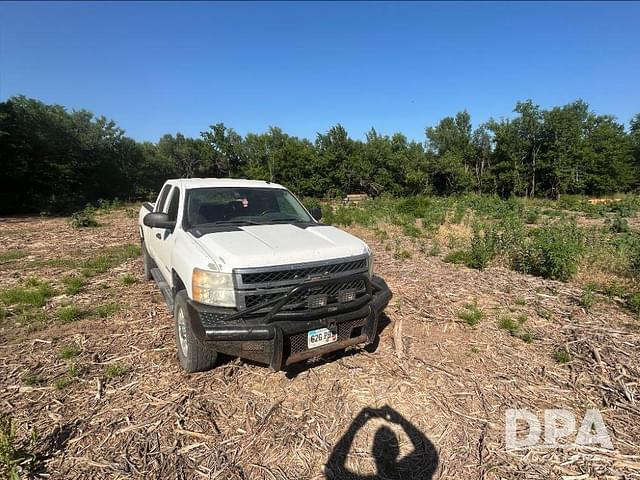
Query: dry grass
pixel 128 411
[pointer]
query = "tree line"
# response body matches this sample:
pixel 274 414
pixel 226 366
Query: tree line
pixel 55 160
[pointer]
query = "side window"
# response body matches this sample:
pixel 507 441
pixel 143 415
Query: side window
pixel 172 211
pixel 162 197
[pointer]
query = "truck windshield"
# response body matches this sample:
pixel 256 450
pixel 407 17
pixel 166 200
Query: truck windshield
pixel 243 206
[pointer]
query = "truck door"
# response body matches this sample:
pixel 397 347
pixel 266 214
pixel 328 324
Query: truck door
pixel 164 239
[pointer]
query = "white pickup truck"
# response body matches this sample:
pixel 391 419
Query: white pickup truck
pixel 248 271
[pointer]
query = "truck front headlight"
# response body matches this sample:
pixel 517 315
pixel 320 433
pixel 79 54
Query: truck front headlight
pixel 213 288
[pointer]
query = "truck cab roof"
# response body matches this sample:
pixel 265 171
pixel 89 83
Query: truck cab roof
pixel 191 183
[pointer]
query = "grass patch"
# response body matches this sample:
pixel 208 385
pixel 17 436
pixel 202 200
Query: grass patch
pixel 520 301
pixel 105 311
pixel 115 371
pixel 526 337
pixel 69 351
pixel 33 379
pixel 128 279
pixel 561 355
pixel 12 255
pixel 70 313
pixel 459 257
pixel 515 327
pixel 17 459
pixel 111 257
pixel 62 382
pixel 402 254
pixel 34 292
pixel 507 323
pixel 471 314
pixel 73 284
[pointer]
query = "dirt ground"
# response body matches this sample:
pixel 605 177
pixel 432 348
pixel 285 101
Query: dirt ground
pixel 428 402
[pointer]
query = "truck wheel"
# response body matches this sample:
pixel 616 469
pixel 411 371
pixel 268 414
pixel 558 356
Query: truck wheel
pixel 193 355
pixel 147 262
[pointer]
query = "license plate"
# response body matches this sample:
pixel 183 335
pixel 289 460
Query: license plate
pixel 321 336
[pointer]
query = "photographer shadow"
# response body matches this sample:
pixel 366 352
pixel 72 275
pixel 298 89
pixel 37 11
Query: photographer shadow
pixel 420 463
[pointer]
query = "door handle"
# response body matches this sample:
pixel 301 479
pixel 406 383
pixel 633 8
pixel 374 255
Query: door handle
pixel 158 236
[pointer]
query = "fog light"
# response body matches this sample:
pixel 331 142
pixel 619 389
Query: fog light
pixel 316 301
pixel 347 296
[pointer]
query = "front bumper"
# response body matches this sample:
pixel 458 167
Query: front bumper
pixel 279 338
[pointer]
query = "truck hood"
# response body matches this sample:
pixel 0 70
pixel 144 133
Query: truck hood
pixel 270 245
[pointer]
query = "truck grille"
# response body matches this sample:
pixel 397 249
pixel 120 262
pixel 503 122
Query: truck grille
pixel 303 273
pixel 299 301
pixel 255 287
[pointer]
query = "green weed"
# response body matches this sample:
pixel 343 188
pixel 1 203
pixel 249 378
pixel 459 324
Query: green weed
pixel 110 258
pixel 471 314
pixel 12 255
pixel 128 279
pixel 34 293
pixel 69 351
pixel 562 355
pixel 84 218
pixel 115 371
pixel 73 284
pixel 70 313
pixel 108 309
pixel 17 459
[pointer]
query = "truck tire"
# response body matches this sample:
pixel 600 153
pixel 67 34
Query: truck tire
pixel 193 355
pixel 147 261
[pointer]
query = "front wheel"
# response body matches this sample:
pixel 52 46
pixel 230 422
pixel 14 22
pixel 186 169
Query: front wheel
pixel 193 355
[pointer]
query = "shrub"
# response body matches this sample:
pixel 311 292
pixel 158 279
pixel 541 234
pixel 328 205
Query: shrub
pixel 550 252
pixel 532 216
pixel 617 224
pixel 84 218
pixel 588 298
pixel 482 249
pixel 633 303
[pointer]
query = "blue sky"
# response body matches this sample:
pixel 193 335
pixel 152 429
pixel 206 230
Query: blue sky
pixel 166 67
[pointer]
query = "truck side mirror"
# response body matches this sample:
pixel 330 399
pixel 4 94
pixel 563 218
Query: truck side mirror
pixel 316 213
pixel 158 220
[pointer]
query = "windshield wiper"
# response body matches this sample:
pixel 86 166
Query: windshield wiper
pixel 228 222
pixel 287 219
